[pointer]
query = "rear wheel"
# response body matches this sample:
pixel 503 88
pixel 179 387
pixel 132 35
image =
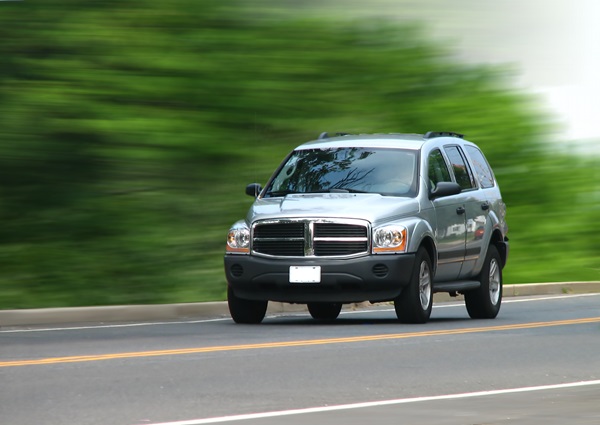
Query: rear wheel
pixel 484 303
pixel 414 304
pixel 245 311
pixel 324 311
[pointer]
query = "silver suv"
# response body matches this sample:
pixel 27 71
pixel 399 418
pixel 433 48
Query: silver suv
pixel 379 217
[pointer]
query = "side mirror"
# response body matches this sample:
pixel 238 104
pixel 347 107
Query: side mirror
pixel 444 189
pixel 253 189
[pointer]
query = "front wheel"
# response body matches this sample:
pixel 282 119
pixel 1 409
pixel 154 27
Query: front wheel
pixel 414 304
pixel 324 311
pixel 484 303
pixel 245 311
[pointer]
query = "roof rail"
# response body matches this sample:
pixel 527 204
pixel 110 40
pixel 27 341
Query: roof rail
pixel 325 135
pixel 432 134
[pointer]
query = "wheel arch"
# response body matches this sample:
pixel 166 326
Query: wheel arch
pixel 499 241
pixel 431 249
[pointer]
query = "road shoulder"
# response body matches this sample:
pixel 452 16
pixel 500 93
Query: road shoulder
pixel 130 313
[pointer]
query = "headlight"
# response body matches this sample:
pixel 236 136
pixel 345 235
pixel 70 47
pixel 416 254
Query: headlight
pixel 390 239
pixel 238 239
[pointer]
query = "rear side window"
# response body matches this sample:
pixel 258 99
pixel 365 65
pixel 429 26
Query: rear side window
pixel 482 168
pixel 461 170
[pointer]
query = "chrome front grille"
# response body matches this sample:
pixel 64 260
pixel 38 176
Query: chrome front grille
pixel 310 238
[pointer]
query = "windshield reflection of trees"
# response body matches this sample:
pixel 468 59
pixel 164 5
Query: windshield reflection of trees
pixel 326 169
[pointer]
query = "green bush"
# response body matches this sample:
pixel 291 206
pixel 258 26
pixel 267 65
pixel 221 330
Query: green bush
pixel 129 129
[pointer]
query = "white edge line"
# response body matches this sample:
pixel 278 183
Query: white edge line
pixel 376 404
pixel 549 297
pixel 131 325
pixel 124 325
pixel 460 303
pixel 524 300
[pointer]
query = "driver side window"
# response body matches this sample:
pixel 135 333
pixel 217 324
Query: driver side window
pixel 438 170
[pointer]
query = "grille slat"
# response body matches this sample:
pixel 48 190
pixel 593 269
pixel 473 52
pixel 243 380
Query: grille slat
pixel 339 248
pixel 280 248
pixel 289 239
pixel 280 230
pixel 324 230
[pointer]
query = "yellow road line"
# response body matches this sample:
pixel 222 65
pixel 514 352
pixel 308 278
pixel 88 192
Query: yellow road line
pixel 300 343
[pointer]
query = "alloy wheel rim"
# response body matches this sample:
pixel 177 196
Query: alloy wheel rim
pixel 494 279
pixel 424 285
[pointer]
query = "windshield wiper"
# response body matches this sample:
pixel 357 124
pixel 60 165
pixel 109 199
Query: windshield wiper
pixel 338 190
pixel 345 190
pixel 276 193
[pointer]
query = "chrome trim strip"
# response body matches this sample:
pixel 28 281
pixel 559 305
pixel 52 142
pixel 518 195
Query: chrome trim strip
pixel 458 260
pixel 340 239
pixel 309 233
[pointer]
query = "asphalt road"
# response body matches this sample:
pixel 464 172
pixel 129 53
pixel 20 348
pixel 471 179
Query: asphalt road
pixel 537 363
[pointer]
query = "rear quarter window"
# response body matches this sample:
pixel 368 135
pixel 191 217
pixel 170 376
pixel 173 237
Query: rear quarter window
pixel 482 168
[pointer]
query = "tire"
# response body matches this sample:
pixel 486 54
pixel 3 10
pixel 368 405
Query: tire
pixel 414 304
pixel 245 311
pixel 484 303
pixel 324 311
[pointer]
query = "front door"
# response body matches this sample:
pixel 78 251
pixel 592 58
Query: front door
pixel 450 223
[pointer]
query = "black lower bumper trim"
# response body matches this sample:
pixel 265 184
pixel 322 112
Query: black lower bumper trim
pixel 369 278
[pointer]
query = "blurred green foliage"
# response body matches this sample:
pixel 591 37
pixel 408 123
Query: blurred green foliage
pixel 129 129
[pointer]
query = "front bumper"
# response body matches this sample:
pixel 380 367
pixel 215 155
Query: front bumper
pixel 371 278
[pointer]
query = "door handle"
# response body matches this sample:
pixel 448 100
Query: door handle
pixel 485 206
pixel 460 210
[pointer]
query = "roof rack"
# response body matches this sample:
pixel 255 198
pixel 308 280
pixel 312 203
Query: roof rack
pixel 326 135
pixel 432 134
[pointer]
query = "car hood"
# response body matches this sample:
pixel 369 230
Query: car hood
pixel 372 207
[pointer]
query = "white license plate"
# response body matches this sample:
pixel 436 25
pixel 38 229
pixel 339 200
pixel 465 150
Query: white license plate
pixel 305 274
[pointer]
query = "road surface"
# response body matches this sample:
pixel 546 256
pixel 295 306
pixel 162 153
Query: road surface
pixel 537 363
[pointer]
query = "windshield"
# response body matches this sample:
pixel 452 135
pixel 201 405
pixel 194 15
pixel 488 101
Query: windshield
pixel 357 170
